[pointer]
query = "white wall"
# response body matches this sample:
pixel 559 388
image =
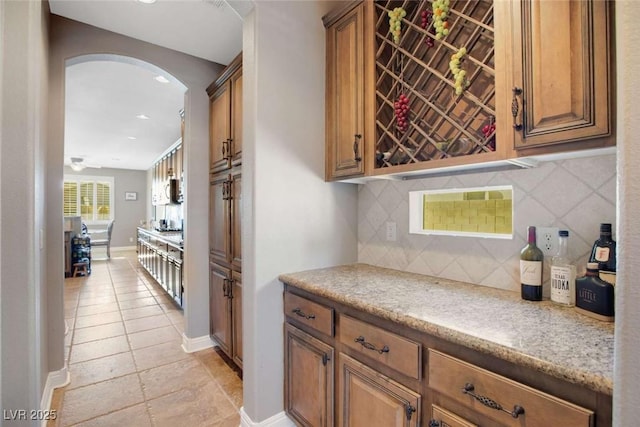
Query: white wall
pixel 293 219
pixel 626 381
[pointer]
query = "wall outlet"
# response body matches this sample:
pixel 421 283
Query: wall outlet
pixel 391 232
pixel 130 239
pixel 547 240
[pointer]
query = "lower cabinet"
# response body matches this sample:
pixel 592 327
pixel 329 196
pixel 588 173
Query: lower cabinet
pixel 368 398
pixel 225 312
pixel 163 261
pixel 443 418
pixel 309 379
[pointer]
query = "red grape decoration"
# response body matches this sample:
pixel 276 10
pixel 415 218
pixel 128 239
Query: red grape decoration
pixel 488 131
pixel 425 21
pixel 401 107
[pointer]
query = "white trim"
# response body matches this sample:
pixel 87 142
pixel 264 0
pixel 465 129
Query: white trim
pixel 191 345
pixel 123 248
pixel 55 379
pixel 278 420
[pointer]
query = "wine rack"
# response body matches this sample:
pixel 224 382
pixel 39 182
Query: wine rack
pixel 440 124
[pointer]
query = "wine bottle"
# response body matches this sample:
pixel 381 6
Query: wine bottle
pixel 563 274
pixel 604 250
pixel 531 268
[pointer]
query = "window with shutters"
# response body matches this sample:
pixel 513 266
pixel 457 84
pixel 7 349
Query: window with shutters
pixel 88 197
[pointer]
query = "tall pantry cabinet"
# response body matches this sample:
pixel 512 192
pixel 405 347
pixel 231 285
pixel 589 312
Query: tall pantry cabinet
pixel 225 210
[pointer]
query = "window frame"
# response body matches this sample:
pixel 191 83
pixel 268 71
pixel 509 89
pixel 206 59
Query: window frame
pixel 94 180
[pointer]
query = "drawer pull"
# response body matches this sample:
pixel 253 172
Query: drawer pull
pixel 370 346
pixel 517 409
pixel 302 314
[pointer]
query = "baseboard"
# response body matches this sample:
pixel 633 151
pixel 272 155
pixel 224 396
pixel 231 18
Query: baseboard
pixel 278 420
pixel 123 248
pixel 191 345
pixel 55 379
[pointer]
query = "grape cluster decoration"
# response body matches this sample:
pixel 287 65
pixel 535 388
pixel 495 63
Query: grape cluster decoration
pixel 401 107
pixel 461 82
pixel 440 13
pixel 395 19
pixel 425 19
pixel 488 130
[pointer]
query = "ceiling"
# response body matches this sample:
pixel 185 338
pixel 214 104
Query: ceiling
pixel 103 96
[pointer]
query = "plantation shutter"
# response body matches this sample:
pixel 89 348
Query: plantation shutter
pixel 86 201
pixel 103 199
pixel 70 196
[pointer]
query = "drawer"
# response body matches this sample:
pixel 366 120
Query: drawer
pixel 399 353
pixel 497 397
pixel 307 312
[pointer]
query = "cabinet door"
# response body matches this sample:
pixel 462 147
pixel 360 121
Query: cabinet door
pixel 368 398
pixel 219 306
pixel 564 71
pixel 219 219
pixel 308 379
pixel 236 118
pixel 220 128
pixel 236 218
pixel 442 418
pixel 345 96
pixel 236 317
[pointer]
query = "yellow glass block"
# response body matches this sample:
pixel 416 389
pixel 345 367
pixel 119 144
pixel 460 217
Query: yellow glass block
pixel 486 228
pixel 508 204
pixel 454 211
pixel 499 204
pixel 439 226
pixel 462 219
pixel 503 228
pixel 490 203
pixel 428 226
pixel 476 204
pixel 454 227
pixel 461 204
pixel 487 212
pixel 470 227
pixel 447 205
pixel 478 220
pixel 499 220
pixel 449 220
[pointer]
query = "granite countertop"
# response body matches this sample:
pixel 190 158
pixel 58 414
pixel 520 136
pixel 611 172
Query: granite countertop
pixel 173 238
pixel 540 335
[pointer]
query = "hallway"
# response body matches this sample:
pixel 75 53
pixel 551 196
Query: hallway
pixel 126 361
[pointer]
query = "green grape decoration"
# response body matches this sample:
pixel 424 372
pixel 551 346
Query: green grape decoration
pixel 440 10
pixel 395 20
pixel 401 109
pixel 460 75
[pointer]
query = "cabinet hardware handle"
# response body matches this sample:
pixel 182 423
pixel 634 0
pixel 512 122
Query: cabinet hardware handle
pixel 356 142
pixel 225 149
pixel 302 314
pixel 409 410
pixel 490 403
pixel 225 287
pixel 325 359
pixel 434 423
pixel 515 108
pixel 369 346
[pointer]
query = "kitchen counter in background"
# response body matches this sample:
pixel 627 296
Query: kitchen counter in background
pixel 540 335
pixel 173 238
pixel 161 253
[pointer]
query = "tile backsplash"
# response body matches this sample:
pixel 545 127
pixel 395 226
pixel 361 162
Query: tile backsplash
pixel 576 195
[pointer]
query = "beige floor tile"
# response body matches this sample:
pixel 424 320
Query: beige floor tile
pixel 122 284
pixel 154 336
pixel 202 406
pixel 135 303
pixel 97 300
pixel 97 309
pixel 92 292
pixel 158 355
pixel 88 402
pixel 144 323
pixel 170 307
pixel 104 368
pixel 96 349
pixel 97 319
pixel 134 295
pixel 95 333
pixel 134 416
pixel 232 421
pixel 136 313
pixel 170 378
pixel 131 289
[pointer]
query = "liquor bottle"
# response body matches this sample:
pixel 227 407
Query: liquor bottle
pixel 604 250
pixel 531 268
pixel 594 296
pixel 563 274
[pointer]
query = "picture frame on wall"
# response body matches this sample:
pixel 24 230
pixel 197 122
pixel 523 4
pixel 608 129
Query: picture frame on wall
pixel 130 195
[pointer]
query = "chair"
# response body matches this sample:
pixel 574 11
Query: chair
pixel 103 242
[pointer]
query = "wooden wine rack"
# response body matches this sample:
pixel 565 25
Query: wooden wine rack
pixel 442 124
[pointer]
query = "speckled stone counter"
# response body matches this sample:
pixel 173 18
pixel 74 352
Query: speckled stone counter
pixel 539 335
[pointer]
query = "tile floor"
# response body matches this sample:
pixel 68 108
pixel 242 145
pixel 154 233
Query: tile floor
pixel 126 361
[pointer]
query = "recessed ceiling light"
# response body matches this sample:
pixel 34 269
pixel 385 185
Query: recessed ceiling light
pixel 142 117
pixel 161 79
pixel 147 1
pixel 131 137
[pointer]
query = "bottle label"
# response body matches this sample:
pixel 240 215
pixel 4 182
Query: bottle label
pixel 531 273
pixel 562 279
pixel 602 254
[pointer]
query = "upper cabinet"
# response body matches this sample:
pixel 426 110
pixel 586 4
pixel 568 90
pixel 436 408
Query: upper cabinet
pixel 225 118
pixel 562 69
pixel 345 92
pixel 441 85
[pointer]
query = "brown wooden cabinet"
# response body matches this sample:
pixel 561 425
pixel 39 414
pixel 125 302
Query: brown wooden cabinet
pixel 309 365
pixel 562 73
pixel 369 398
pixel 442 418
pixel 346 77
pixel 225 118
pixel 225 209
